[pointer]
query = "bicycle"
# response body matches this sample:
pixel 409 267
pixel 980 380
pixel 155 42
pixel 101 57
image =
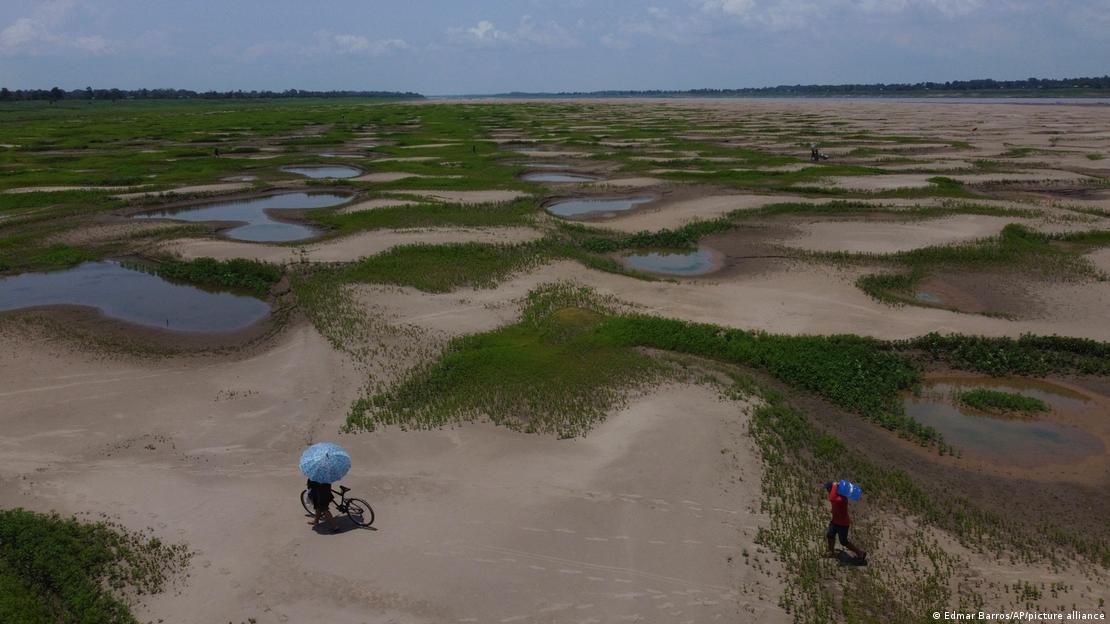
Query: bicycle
pixel 359 511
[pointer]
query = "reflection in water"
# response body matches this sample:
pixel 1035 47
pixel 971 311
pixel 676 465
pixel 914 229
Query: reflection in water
pixel 260 227
pixel 1005 440
pixel 133 296
pixel 581 207
pixel 546 165
pixel 323 171
pixel 677 263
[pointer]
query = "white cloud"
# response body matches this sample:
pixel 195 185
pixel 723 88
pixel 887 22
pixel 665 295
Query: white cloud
pixel 357 44
pixel 40 33
pixel 729 7
pixel 325 43
pixel 527 33
pixel 789 14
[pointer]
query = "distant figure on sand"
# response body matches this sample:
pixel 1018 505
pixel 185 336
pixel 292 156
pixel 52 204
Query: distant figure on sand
pixel 838 527
pixel 814 153
pixel 321 496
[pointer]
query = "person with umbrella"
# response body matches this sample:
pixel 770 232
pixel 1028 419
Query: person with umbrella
pixel 324 464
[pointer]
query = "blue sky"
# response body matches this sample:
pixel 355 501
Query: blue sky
pixel 482 46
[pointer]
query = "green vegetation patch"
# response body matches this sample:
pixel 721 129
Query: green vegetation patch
pixel 997 401
pixel 1034 356
pixel 1016 247
pixel 553 372
pixel 856 373
pixel 430 215
pixel 54 569
pixel 441 268
pixel 240 274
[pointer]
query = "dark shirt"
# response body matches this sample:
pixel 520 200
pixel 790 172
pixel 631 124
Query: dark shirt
pixel 320 493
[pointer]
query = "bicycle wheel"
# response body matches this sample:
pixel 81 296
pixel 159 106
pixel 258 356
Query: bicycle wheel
pixel 306 502
pixel 360 512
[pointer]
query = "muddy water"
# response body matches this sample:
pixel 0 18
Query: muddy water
pixel 1007 440
pixel 133 296
pixel 258 226
pixel 928 297
pixel 593 207
pixel 323 171
pixel 685 264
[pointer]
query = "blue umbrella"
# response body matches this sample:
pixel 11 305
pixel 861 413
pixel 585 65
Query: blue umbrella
pixel 325 462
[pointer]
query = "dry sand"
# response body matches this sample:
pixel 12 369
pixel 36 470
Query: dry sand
pixel 674 214
pixel 635 522
pixel 552 154
pixel 374 204
pixel 890 237
pixel 387 176
pixel 223 187
pixel 345 249
pixel 595 527
pixel 880 182
pixel 1101 259
pixel 629 182
pixel 810 299
pixel 467 197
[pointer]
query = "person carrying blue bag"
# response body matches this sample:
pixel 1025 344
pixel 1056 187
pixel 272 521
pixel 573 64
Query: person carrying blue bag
pixel 839 494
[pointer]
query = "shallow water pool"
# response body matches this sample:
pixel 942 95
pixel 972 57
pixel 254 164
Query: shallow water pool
pixel 1018 441
pixel 698 262
pixel 258 226
pixel 133 296
pixel 589 207
pixel 323 171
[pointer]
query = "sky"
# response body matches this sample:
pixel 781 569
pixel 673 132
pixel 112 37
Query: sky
pixel 446 47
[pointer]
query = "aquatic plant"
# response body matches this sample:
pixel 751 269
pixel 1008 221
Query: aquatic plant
pixel 996 401
pixel 250 275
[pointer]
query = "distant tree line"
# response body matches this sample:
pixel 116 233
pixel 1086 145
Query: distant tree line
pixel 1029 86
pixel 89 93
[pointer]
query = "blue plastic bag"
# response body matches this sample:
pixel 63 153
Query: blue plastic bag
pixel 849 490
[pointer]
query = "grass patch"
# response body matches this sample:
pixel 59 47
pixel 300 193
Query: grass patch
pixel 251 276
pixel 58 256
pixel 551 373
pixel 1028 355
pixel 1016 247
pixel 997 401
pixel 430 215
pixel 442 268
pixel 892 288
pixel 54 569
pixel 855 373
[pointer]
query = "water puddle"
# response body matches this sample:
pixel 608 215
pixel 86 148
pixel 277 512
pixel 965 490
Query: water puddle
pixel 1006 440
pixel 557 177
pixel 595 207
pixel 323 171
pixel 679 263
pixel 133 296
pixel 546 165
pixel 259 225
pixel 928 297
